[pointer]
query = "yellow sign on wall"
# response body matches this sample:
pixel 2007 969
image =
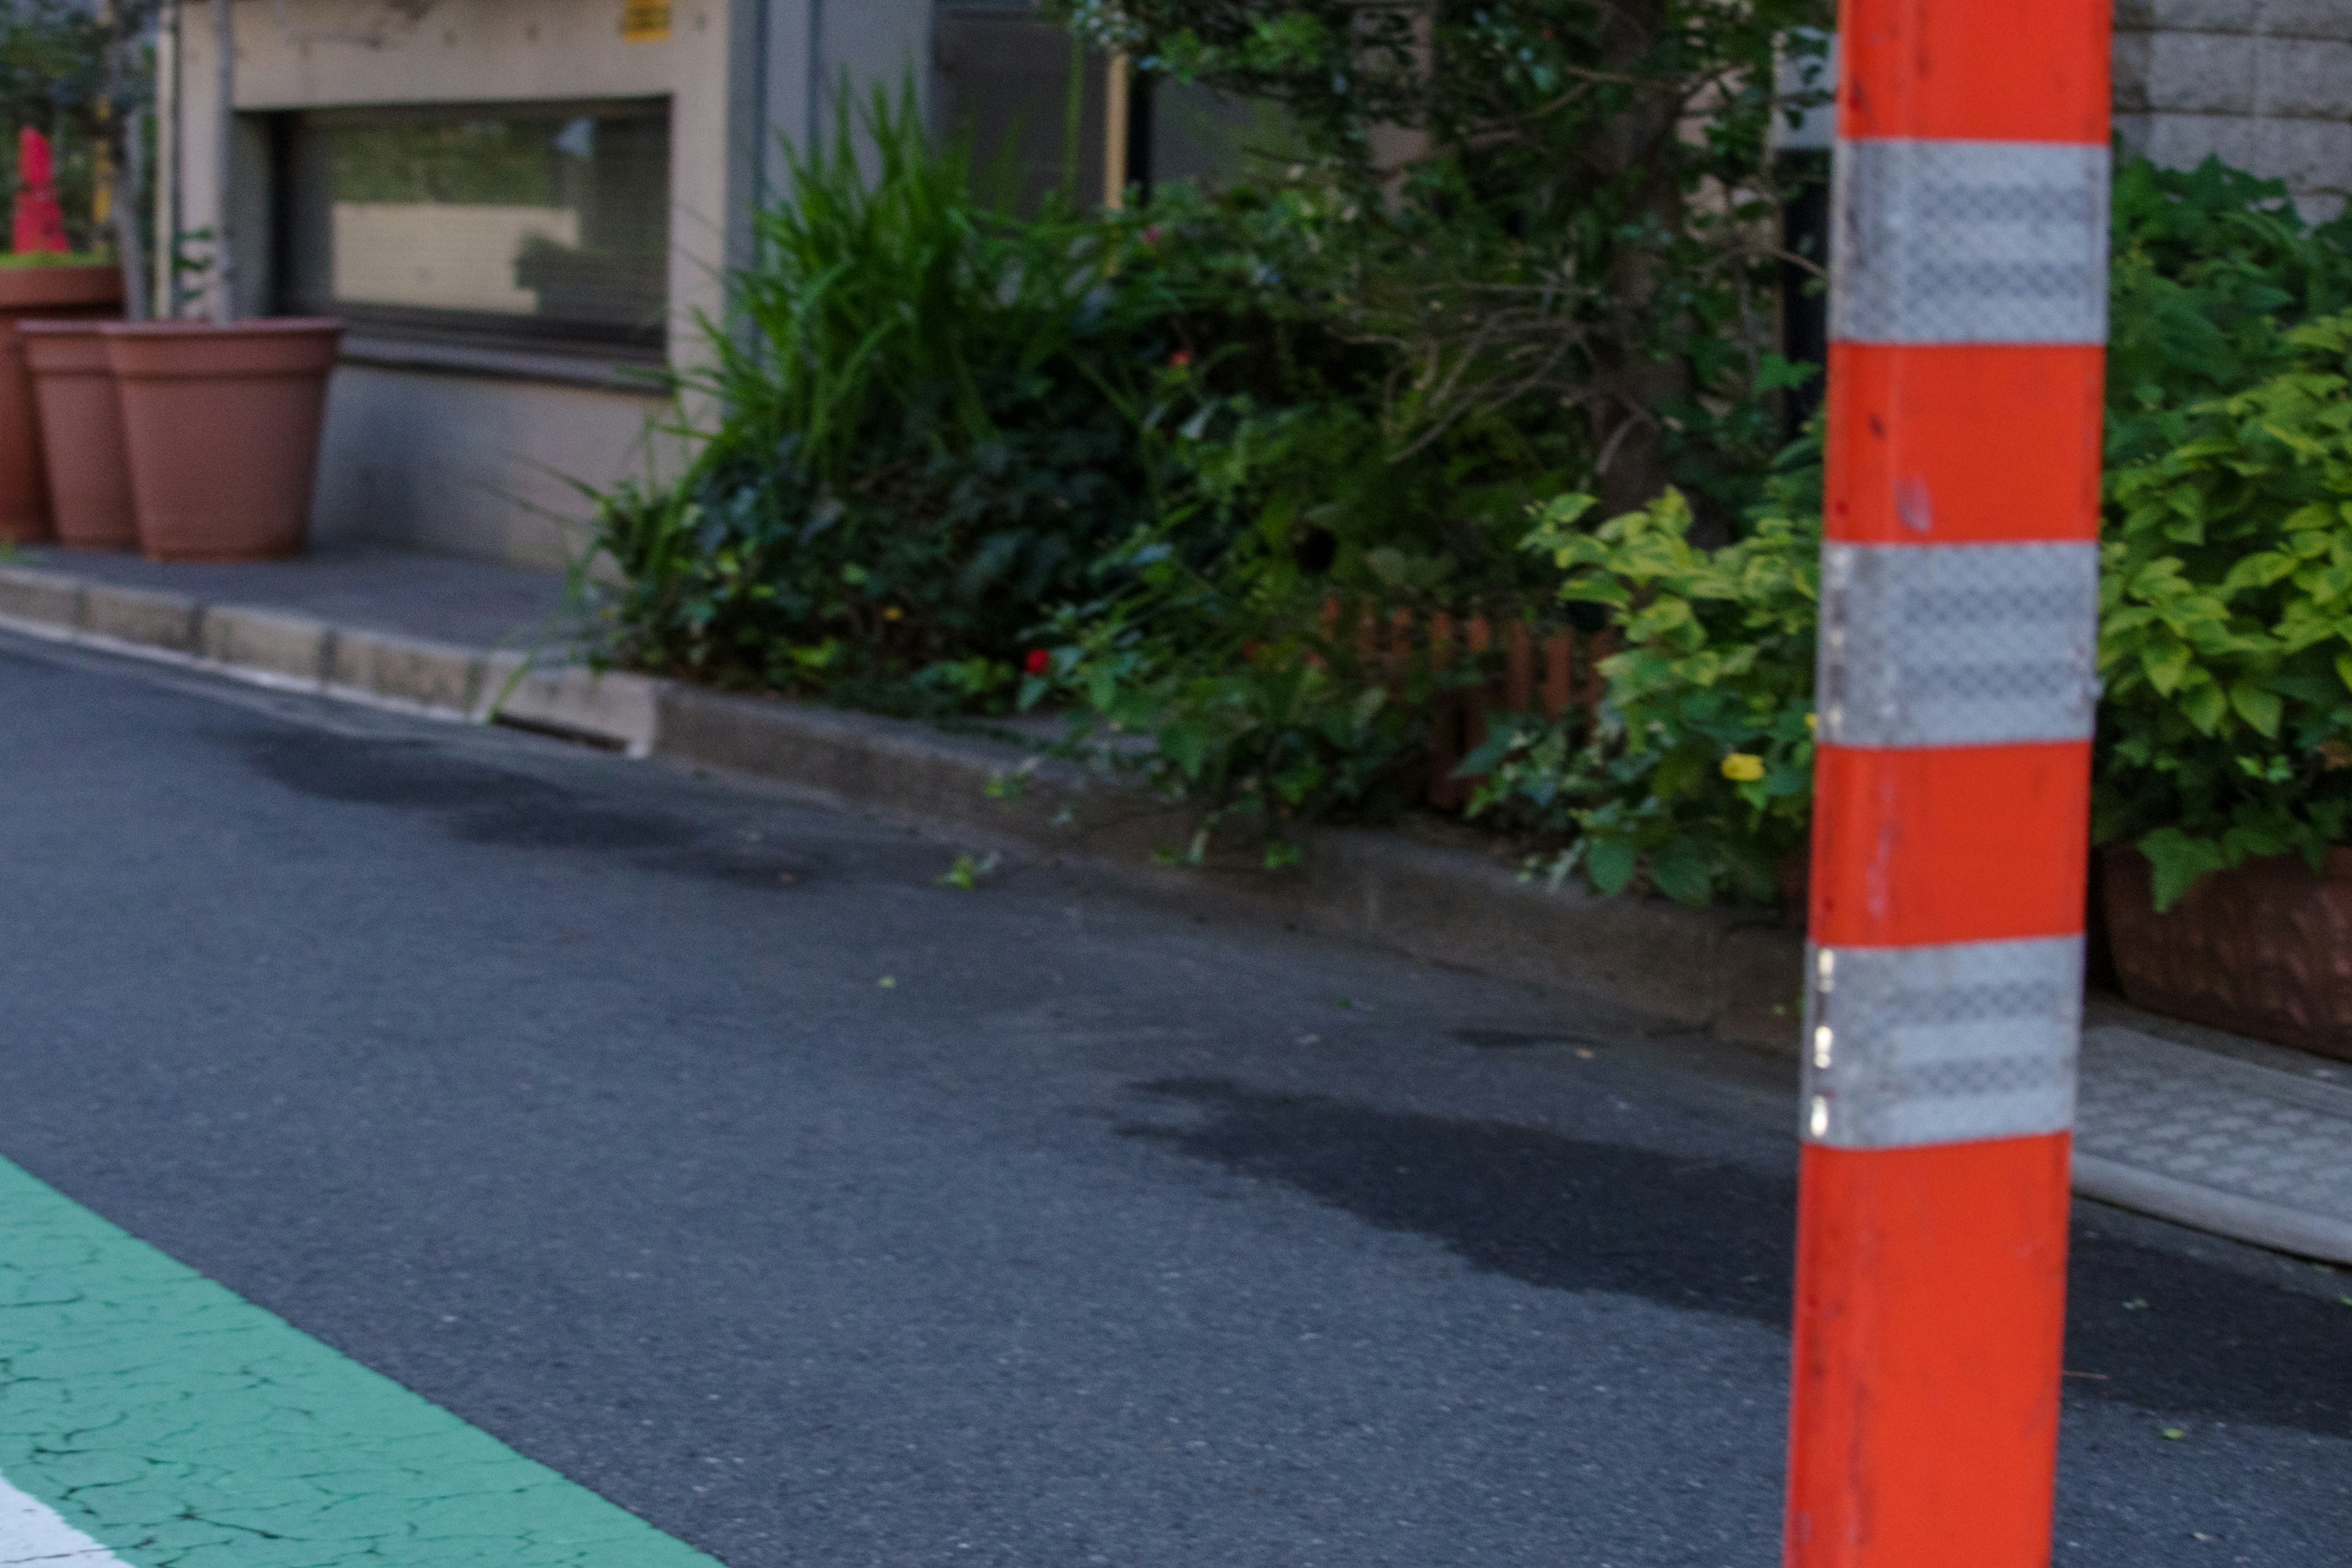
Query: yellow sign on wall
pixel 645 21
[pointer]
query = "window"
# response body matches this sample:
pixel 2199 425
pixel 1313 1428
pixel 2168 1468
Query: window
pixel 1003 80
pixel 544 224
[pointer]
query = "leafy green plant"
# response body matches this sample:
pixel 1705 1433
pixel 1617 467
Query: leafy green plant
pixel 2223 730
pixel 921 437
pixel 1282 730
pixel 2226 627
pixel 969 871
pixel 1221 645
pixel 2225 727
pixel 2212 267
pixel 1552 214
pixel 21 260
pixel 1696 770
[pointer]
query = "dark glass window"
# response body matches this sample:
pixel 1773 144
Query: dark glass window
pixel 1005 81
pixel 545 223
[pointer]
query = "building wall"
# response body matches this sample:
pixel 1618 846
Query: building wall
pixel 463 451
pixel 2262 84
pixel 436 450
pixel 471 465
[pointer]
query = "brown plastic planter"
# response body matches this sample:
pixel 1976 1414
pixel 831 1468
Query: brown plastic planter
pixel 221 425
pixel 81 435
pixel 2265 950
pixel 30 293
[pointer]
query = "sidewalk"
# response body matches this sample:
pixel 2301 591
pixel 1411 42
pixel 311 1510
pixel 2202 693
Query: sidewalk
pixel 2227 1135
pixel 439 598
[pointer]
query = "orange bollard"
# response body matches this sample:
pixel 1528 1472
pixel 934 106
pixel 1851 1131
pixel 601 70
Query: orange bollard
pixel 1960 600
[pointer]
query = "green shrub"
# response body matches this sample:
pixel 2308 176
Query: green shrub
pixel 19 261
pixel 1267 732
pixel 1217 643
pixel 2225 729
pixel 2211 269
pixel 1697 771
pixel 1556 214
pixel 925 434
pixel 1281 495
pixel 2225 636
pixel 2225 652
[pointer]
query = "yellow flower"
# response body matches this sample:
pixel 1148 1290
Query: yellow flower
pixel 891 612
pixel 1811 724
pixel 1740 767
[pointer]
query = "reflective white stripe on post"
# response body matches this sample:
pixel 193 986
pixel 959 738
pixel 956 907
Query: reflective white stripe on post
pixel 1969 242
pixel 1957 644
pixel 1912 1045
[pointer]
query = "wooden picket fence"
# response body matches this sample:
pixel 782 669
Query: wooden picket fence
pixel 1483 665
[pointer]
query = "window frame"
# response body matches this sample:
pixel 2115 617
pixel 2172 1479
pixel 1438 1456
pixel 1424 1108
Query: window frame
pixel 464 330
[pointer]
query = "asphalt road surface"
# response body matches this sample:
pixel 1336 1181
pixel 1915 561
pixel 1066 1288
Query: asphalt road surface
pixel 700 1145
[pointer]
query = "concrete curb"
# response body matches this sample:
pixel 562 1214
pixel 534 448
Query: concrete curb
pixel 292 652
pixel 1739 977
pixel 2204 1208
pixel 1701 968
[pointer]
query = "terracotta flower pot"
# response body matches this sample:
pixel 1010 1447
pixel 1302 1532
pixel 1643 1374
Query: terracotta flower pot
pixel 81 435
pixel 30 293
pixel 2262 950
pixel 222 425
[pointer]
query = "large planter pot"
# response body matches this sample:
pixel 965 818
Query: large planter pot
pixel 222 425
pixel 81 435
pixel 32 293
pixel 2264 950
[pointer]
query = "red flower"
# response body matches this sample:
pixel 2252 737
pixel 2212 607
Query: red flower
pixel 1038 662
pixel 1180 358
pixel 1151 234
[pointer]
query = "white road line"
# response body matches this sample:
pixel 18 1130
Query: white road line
pixel 31 1532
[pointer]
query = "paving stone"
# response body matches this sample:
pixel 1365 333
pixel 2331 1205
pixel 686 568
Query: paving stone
pixel 294 647
pixel 2250 1139
pixel 45 598
pixel 412 670
pixel 606 705
pixel 141 616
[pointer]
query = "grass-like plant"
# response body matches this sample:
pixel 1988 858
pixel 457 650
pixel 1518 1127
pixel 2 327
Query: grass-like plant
pixel 919 437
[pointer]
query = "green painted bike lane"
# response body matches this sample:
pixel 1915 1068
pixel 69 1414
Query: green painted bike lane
pixel 150 1418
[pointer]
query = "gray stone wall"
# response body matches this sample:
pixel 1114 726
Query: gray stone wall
pixel 2264 84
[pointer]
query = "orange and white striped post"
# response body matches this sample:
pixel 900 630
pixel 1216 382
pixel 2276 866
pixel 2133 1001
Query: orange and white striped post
pixel 1959 597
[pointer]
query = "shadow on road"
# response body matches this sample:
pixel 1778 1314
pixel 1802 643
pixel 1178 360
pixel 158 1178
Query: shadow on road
pixel 1562 1213
pixel 501 808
